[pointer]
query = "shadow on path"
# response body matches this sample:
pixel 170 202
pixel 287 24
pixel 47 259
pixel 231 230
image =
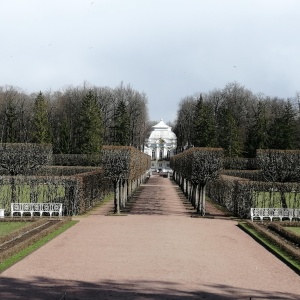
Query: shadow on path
pixel 44 288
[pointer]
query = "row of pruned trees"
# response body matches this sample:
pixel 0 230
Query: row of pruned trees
pixel 75 119
pixel 238 121
pixel 126 167
pixel 193 169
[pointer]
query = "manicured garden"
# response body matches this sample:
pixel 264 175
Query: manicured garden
pixel 280 238
pixel 8 227
pixel 16 242
pixel 296 230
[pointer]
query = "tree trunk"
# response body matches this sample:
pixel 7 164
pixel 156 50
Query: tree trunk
pixel 197 197
pixel 116 198
pixel 203 200
pixel 199 206
pixel 201 203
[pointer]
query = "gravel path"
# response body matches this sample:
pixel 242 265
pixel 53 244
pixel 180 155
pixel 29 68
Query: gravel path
pixel 157 251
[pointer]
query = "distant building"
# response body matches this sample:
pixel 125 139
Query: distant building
pixel 161 145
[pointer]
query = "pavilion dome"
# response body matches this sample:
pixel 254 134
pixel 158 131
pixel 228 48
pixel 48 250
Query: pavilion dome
pixel 161 131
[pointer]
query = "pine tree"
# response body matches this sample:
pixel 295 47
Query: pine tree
pixel 41 132
pixel 10 131
pixel 64 141
pixel 122 125
pixel 229 138
pixel 258 132
pixel 204 133
pixel 283 129
pixel 89 139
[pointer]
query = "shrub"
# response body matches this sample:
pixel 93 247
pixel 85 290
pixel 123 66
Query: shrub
pixel 24 159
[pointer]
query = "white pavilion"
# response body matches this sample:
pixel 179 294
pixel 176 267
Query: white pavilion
pixel 161 145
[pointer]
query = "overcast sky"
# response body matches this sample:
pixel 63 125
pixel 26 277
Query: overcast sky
pixel 168 49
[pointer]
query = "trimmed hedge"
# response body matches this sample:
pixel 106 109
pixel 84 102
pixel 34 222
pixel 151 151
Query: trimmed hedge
pixel 78 189
pixel 287 234
pixel 254 175
pixel 240 163
pixel 238 195
pixel 26 178
pixel 199 165
pixel 77 160
pixel 123 162
pixel 24 158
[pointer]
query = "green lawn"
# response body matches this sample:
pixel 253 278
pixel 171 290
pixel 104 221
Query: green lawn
pixel 23 253
pixel 293 229
pixel 290 261
pixel 24 192
pixel 273 199
pixel 8 227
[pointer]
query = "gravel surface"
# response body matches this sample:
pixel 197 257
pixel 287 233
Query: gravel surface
pixel 156 251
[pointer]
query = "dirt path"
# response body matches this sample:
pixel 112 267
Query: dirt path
pixel 157 251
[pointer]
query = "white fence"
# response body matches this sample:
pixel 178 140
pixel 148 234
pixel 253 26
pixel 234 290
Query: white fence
pixel 277 213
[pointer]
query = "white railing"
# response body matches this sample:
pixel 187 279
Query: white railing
pixel 277 213
pixel 40 208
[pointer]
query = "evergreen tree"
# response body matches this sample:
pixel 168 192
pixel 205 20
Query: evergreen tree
pixel 258 132
pixel 41 132
pixel 9 129
pixel 122 125
pixel 283 129
pixel 204 133
pixel 64 143
pixel 89 139
pixel 229 138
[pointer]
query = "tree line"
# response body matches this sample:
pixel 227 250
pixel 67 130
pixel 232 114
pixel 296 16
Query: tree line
pixel 75 120
pixel 240 122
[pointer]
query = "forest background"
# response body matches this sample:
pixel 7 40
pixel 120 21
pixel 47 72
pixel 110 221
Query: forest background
pixel 81 119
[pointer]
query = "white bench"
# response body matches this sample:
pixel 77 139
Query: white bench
pixel 40 208
pixel 270 213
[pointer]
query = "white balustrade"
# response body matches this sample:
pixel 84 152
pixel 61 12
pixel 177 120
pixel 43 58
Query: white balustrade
pixel 40 208
pixel 278 213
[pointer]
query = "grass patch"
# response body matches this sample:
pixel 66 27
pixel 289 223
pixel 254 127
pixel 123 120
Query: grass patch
pixel 8 227
pixel 273 199
pixel 106 199
pixel 219 207
pixel 23 253
pixel 265 242
pixel 24 193
pixel 293 229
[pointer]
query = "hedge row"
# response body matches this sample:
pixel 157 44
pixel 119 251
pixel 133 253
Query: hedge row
pixel 198 165
pixel 77 189
pixel 77 159
pixel 240 163
pixel 287 234
pixel 254 175
pixel 122 162
pixel 238 195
